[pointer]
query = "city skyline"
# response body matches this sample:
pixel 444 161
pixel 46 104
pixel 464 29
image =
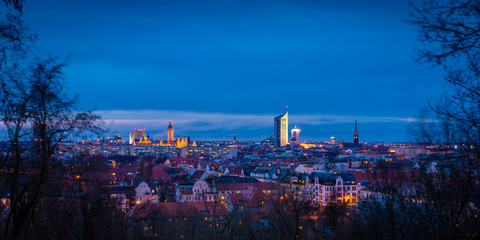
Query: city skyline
pixel 159 131
pixel 183 59
pixel 259 127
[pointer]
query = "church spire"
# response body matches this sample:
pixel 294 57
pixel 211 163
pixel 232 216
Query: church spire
pixel 355 134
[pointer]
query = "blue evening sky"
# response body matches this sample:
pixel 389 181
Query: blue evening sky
pixel 224 68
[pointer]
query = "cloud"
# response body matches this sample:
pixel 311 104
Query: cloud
pixel 206 121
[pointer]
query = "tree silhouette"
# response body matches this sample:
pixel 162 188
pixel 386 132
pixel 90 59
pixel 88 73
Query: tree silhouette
pixel 38 115
pixel 450 31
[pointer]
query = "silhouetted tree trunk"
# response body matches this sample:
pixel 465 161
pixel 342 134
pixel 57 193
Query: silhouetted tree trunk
pixel 38 115
pixel 290 217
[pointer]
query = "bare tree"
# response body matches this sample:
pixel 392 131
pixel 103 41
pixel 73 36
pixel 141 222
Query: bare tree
pixel 16 4
pixel 38 115
pixel 290 217
pixel 450 31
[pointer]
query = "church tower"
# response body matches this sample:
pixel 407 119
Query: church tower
pixel 170 133
pixel 355 134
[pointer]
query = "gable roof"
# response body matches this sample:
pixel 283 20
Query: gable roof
pixel 249 197
pixel 159 173
pixel 149 184
pixel 197 174
pixel 361 177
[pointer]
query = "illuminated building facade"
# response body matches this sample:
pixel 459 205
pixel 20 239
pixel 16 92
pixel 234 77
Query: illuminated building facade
pixel 104 150
pixel 281 130
pixel 144 141
pixel 171 141
pixel 213 152
pixel 295 135
pixel 138 138
pixel 200 191
pixel 155 151
pixel 145 193
pixel 170 132
pixel 323 188
pixel 179 142
pixel 136 135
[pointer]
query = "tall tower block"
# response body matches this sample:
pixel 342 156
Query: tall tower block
pixel 280 124
pixel 170 132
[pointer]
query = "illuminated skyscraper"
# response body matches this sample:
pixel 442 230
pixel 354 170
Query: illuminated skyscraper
pixel 281 130
pixel 295 135
pixel 355 134
pixel 136 135
pixel 170 133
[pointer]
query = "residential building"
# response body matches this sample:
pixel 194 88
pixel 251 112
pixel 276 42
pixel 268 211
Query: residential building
pixel 145 193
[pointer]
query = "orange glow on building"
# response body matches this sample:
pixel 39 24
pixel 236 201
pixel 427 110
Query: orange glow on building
pixel 178 142
pixel 170 130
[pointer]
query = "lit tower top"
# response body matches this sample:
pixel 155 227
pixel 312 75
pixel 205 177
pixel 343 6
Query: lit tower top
pixel 295 135
pixel 355 134
pixel 280 124
pixel 170 132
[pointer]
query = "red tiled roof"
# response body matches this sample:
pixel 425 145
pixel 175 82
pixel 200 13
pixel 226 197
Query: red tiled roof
pixel 197 174
pixel 261 213
pixel 249 197
pixel 215 164
pixel 364 176
pixel 226 163
pixel 159 173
